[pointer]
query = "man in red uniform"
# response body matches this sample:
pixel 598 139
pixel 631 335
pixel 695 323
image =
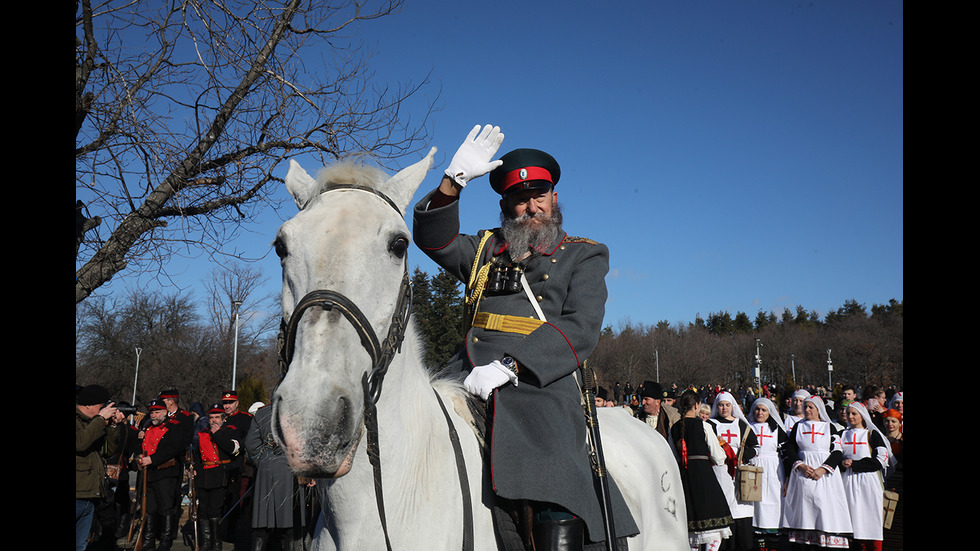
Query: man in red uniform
pixel 239 473
pixel 162 449
pixel 215 450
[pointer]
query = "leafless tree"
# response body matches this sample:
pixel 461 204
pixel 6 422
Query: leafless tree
pixel 185 108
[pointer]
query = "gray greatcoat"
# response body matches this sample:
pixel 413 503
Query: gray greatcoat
pixel 537 438
pixel 278 497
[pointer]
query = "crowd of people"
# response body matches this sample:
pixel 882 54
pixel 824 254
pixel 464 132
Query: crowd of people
pixel 826 464
pixel 220 466
pixel 534 297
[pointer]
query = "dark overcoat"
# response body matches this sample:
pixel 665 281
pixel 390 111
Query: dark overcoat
pixel 279 499
pixel 537 438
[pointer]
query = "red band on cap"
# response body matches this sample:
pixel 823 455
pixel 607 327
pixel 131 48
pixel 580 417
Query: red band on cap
pixel 524 174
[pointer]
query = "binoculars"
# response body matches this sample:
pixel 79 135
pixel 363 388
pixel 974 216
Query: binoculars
pixel 504 279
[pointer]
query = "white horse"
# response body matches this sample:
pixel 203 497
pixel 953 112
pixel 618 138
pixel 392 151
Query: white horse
pixel 345 270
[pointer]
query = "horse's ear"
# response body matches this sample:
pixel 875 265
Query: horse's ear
pixel 299 184
pixel 401 187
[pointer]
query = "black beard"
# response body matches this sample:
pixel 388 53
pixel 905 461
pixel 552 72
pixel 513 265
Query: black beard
pixel 522 235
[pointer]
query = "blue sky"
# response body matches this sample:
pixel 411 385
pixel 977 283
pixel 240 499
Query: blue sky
pixel 734 156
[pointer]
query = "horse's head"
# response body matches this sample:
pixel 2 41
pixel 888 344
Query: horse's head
pixel 344 274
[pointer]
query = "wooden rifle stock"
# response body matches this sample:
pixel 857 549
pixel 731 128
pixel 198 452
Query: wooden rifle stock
pixel 599 462
pixel 139 535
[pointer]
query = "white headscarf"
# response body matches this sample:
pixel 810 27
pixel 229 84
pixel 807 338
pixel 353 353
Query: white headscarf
pixel 727 397
pixel 768 404
pixel 817 401
pixel 868 424
pixel 897 397
pixel 801 394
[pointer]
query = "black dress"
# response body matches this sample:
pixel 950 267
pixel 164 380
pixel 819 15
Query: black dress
pixel 708 515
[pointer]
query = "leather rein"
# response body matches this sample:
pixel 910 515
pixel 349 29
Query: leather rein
pixel 382 353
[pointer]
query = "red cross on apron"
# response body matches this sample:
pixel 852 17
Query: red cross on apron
pixel 854 445
pixel 728 436
pixel 762 434
pixel 813 434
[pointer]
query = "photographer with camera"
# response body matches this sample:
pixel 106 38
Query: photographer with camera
pixel 96 437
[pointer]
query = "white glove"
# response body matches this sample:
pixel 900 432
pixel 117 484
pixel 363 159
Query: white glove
pixel 472 159
pixel 484 378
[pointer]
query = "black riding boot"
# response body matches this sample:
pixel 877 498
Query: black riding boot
pixel 150 532
pixel 559 535
pixel 167 533
pixel 260 538
pixel 216 541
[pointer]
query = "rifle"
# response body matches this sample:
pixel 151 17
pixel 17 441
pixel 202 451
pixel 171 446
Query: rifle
pixel 598 461
pixel 139 535
pixel 192 494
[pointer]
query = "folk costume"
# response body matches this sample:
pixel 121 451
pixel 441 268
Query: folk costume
pixel 548 325
pixel 212 456
pixel 815 512
pixel 771 437
pixel 709 518
pixel 870 455
pixel 165 444
pixel 736 436
pixel 668 414
pixel 794 419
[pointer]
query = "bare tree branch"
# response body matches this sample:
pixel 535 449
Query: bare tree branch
pixel 184 110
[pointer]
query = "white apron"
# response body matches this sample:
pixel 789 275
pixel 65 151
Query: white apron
pixel 731 433
pixel 816 504
pixel 768 511
pixel 865 490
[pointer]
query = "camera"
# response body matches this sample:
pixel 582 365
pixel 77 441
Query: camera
pixel 124 408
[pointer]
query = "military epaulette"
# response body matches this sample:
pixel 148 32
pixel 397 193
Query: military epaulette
pixel 571 239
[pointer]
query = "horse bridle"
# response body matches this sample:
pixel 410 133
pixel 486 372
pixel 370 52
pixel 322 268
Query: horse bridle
pixel 382 353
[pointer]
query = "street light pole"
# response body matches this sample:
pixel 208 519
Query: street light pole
pixel 236 306
pixel 137 377
pixel 758 367
pixel 792 366
pixel 830 371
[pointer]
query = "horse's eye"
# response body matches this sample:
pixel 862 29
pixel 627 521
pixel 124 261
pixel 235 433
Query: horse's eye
pixel 399 246
pixel 280 246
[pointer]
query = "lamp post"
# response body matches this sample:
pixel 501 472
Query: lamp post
pixel 137 377
pixel 236 306
pixel 757 370
pixel 830 370
pixel 792 366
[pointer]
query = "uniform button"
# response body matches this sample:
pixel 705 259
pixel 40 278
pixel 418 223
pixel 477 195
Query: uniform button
pixel 553 260
pixel 476 339
pixel 545 276
pixel 562 247
pixel 539 297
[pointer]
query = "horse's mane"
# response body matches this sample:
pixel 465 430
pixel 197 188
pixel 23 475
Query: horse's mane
pixel 351 170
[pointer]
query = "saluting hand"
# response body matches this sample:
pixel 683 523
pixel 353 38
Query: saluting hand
pixel 472 159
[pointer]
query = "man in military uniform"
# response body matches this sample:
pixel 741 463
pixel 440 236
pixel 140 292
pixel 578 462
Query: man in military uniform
pixel 239 473
pixel 184 418
pixel 161 452
pixel 535 299
pixel 215 450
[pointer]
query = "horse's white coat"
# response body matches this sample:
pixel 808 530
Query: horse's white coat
pixel 341 241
